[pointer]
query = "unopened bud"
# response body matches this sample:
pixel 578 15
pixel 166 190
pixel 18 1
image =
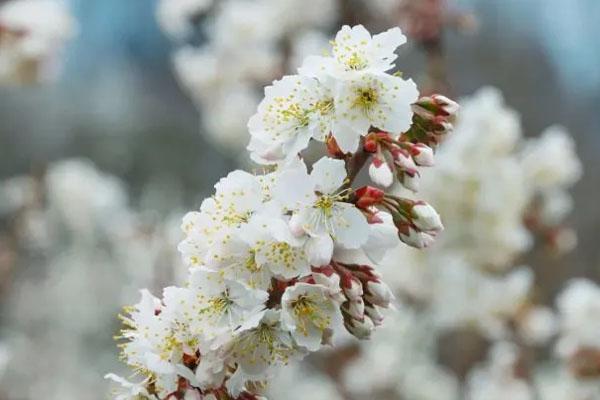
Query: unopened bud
pixel 417 239
pixel 355 308
pixel 380 172
pixel 403 160
pixel 423 155
pixel 426 218
pixel 410 180
pixel 431 106
pixel 352 288
pixel 368 196
pixel 360 329
pixel 374 313
pixel 378 293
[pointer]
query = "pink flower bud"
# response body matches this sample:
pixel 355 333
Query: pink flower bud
pixel 417 239
pixel 368 196
pixel 380 172
pixel 448 106
pixel 425 218
pixel 375 315
pixel 356 308
pixel 410 180
pixel 423 155
pixel 403 159
pixel 379 294
pixel 360 329
pixel 352 288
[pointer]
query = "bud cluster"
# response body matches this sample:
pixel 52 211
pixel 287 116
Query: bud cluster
pixel 417 222
pixel 432 119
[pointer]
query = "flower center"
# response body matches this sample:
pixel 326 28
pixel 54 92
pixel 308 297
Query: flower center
pixel 366 98
pixel 219 305
pixel 324 107
pixel 325 204
pixel 294 111
pixel 356 62
pixel 250 262
pixel 307 311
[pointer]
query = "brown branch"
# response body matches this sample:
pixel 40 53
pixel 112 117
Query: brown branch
pixel 354 164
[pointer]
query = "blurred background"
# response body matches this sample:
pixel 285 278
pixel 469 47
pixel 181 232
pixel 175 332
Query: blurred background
pixel 98 165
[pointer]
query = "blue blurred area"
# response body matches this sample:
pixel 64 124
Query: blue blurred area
pixel 116 30
pixel 566 31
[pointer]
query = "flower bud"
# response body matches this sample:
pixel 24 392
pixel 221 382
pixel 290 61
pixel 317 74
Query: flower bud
pixel 352 288
pixel 417 239
pixel 368 196
pixel 380 172
pixel 428 107
pixel 403 160
pixel 360 329
pixel 379 293
pixel 370 145
pixel 423 155
pixel 373 312
pixel 425 218
pixel 409 180
pixel 356 308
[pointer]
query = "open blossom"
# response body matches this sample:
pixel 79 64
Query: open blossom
pixel 382 101
pixel 295 109
pixel 343 95
pixel 319 209
pixel 355 51
pixel 281 262
pixel 308 311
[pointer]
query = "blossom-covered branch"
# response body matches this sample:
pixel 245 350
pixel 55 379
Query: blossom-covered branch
pixel 283 262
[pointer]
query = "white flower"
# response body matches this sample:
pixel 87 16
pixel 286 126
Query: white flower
pixel 538 325
pixel 550 161
pixel 261 344
pixel 294 110
pixel 383 237
pixel 319 209
pixel 578 306
pixel 381 101
pixel 223 304
pixel 309 313
pixel 237 197
pixel 355 51
pixel 261 249
pixel 496 380
pixel 128 390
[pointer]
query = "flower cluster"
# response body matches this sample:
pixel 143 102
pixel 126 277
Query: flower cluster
pixel 32 34
pixel 281 263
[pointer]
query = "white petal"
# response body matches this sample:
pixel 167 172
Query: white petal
pixel 351 227
pixel 319 250
pixel 294 188
pixel 328 174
